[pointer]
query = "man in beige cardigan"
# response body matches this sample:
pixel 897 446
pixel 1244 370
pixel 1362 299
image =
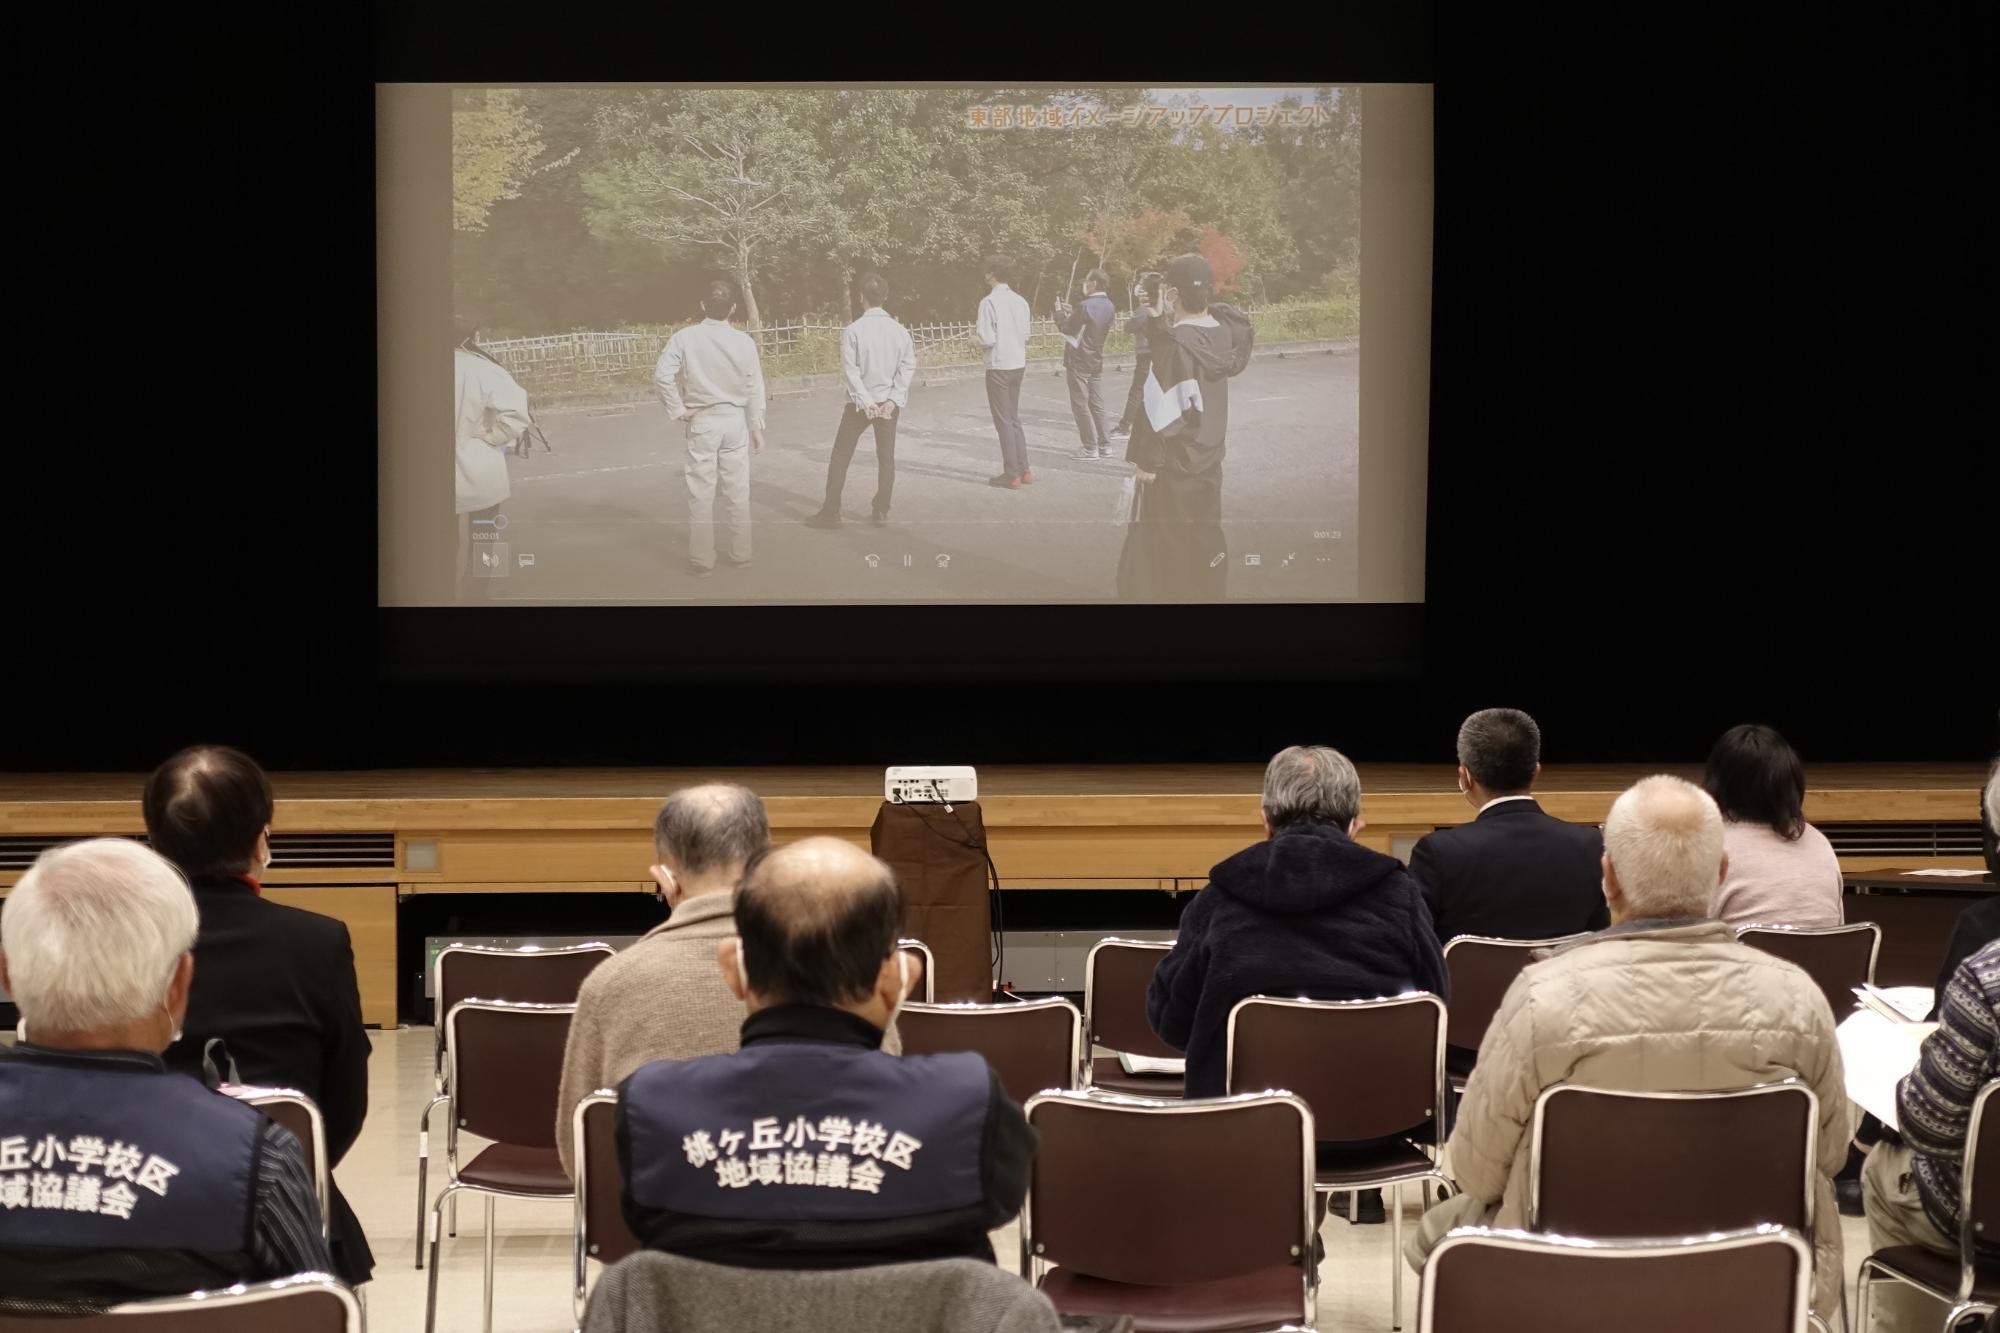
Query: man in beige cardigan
pixel 664 998
pixel 1666 1000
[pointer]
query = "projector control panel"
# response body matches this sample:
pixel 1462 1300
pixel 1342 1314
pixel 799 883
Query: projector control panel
pixel 935 785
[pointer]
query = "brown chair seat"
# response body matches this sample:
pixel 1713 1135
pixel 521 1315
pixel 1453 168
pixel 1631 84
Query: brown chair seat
pixel 1939 1272
pixel 1106 1075
pixel 1366 1168
pixel 517 1170
pixel 1259 1300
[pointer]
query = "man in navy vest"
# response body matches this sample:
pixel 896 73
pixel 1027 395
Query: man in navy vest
pixel 810 1147
pixel 118 1179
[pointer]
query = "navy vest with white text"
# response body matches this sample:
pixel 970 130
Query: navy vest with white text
pixel 807 1132
pixel 116 1159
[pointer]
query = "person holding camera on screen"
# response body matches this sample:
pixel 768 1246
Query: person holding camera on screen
pixel 1175 549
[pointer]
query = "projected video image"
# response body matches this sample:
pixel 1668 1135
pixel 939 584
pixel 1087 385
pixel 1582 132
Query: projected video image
pixel 899 344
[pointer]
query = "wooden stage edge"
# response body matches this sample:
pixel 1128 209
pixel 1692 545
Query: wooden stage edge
pixel 1111 826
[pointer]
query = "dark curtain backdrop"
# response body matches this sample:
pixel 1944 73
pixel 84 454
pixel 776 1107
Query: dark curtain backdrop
pixel 1708 438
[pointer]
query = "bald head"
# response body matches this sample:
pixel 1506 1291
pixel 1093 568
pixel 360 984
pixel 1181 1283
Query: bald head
pixel 1663 848
pixel 818 918
pixel 711 831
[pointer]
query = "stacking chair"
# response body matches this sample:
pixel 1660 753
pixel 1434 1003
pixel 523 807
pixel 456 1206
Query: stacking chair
pixel 1033 1045
pixel 1195 1216
pixel 920 951
pixel 505 1066
pixel 306 1303
pixel 1971 1285
pixel 1478 1280
pixel 300 1114
pixel 601 1233
pixel 1839 958
pixel 1481 969
pixel 1371 1070
pixel 1684 1163
pixel 526 975
pixel 1116 974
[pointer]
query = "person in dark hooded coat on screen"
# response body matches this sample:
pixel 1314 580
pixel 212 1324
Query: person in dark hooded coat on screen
pixel 1174 544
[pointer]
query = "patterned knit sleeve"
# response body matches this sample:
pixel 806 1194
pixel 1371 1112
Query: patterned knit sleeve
pixel 1934 1104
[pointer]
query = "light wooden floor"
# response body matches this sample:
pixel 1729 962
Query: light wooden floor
pixel 532 1282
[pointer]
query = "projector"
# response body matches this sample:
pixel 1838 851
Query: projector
pixel 942 784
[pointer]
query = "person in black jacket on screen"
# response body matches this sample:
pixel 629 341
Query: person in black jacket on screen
pixel 274 984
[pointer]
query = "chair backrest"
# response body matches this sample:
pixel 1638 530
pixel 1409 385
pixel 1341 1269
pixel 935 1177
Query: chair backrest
pixel 1979 1183
pixel 1514 1282
pixel 527 975
pixel 1316 1049
pixel 1638 1164
pixel 1033 1045
pixel 1130 1189
pixel 505 1063
pixel 601 1232
pixel 683 1295
pixel 307 1303
pixel 300 1114
pixel 1839 958
pixel 917 949
pixel 1116 974
pixel 1481 969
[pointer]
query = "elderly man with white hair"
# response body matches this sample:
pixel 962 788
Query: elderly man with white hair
pixel 1666 1000
pixel 119 1179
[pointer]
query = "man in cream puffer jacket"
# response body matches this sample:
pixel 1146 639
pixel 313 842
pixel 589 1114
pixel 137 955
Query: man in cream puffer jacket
pixel 1666 1000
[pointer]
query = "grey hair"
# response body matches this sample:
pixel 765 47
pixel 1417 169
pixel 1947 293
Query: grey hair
pixel 93 933
pixel 1663 838
pixel 1993 798
pixel 712 827
pixel 1311 784
pixel 1500 748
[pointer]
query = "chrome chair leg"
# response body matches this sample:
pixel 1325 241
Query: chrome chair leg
pixel 430 1237
pixel 487 1308
pixel 423 1169
pixel 1393 1196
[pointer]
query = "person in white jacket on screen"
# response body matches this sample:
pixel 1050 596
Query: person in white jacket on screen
pixel 492 412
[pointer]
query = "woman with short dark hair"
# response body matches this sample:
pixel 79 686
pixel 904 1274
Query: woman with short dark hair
pixel 1781 870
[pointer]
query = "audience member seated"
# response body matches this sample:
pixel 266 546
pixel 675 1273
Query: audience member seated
pixel 1782 870
pixel 811 1148
pixel 1515 872
pixel 1666 1000
pixel 664 998
pixel 274 985
pixel 118 1179
pixel 1910 1186
pixel 1307 912
pixel 1978 925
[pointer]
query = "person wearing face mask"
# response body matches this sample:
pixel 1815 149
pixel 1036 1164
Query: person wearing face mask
pixel 810 1148
pixel 1309 912
pixel 275 1002
pixel 663 999
pixel 119 1179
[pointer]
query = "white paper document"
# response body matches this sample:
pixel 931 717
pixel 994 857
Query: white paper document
pixel 1877 1053
pixel 1905 1004
pixel 1146 1064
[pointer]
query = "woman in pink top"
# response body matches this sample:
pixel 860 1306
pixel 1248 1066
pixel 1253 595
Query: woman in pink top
pixel 1782 871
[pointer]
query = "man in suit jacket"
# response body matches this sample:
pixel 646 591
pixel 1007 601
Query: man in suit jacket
pixel 276 984
pixel 1515 872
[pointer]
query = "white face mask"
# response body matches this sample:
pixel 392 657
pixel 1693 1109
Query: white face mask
pixel 903 984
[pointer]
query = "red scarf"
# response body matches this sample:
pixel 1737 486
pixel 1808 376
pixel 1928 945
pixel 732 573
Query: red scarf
pixel 255 887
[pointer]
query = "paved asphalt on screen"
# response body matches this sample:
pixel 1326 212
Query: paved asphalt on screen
pixel 604 517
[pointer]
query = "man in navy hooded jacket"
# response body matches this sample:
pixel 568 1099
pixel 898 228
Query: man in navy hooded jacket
pixel 1307 912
